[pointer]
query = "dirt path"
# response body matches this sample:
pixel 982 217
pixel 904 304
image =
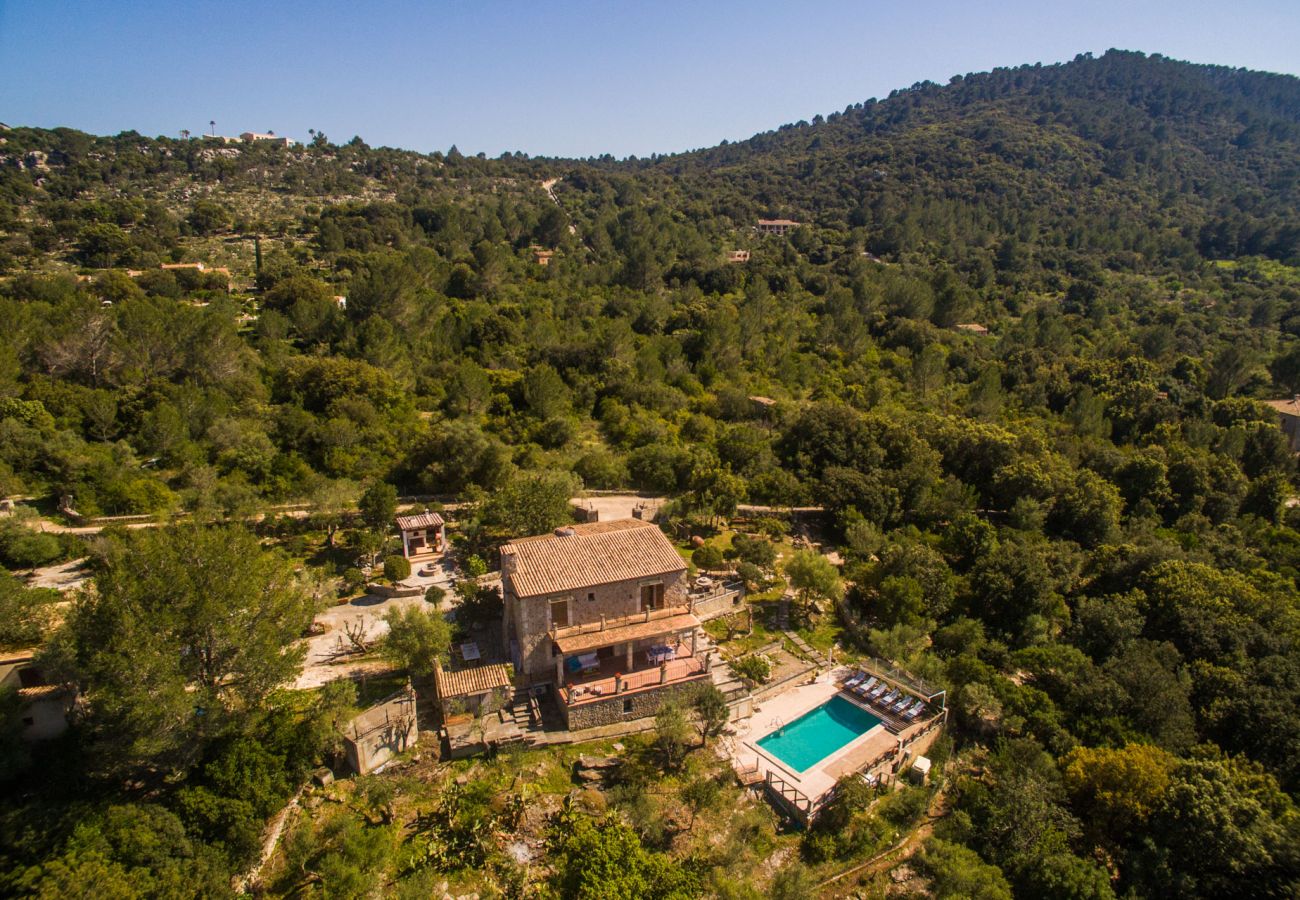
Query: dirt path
pixel 65 576
pixel 904 849
pixel 549 186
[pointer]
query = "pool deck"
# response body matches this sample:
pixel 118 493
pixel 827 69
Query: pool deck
pixel 790 705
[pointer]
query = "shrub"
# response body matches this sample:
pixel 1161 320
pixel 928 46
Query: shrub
pixel 756 551
pixel 754 669
pixel 23 548
pixel 397 568
pixel 751 574
pixel 415 639
pixel 353 579
pixel 435 595
pixel 707 557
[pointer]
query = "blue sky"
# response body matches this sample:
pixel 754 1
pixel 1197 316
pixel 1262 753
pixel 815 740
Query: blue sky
pixel 560 78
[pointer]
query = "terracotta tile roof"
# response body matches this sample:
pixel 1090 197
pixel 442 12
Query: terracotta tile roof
pixel 1290 407
pixel 470 682
pixel 587 555
pixel 41 692
pixel 633 628
pixel 423 520
pixel 777 222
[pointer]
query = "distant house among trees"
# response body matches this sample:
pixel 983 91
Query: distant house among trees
pixel 776 226
pixel 972 327
pixel 737 256
pixel 253 137
pixel 43 707
pixel 1288 414
pixel 210 282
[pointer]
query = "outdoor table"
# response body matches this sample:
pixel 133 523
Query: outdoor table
pixel 659 654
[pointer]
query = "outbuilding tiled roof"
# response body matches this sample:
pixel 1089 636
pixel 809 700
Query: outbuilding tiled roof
pixel 586 555
pixel 425 519
pixel 470 682
pixel 1289 407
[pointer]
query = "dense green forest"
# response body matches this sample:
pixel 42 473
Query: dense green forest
pixel 1081 523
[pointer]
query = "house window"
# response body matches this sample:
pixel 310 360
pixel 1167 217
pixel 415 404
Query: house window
pixel 652 596
pixel 627 704
pixel 591 597
pixel 559 613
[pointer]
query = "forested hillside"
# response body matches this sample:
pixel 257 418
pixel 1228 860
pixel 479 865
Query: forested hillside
pixel 1081 523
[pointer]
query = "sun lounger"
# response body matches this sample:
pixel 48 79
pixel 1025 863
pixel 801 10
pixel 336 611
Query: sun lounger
pixel 889 698
pixel 870 684
pixel 878 690
pixel 854 679
pixel 863 690
pixel 901 704
pixel 915 710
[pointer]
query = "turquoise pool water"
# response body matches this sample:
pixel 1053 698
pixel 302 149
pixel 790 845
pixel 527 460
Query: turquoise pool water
pixel 818 733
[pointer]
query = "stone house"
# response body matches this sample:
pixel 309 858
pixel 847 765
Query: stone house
pixel 381 732
pixel 600 614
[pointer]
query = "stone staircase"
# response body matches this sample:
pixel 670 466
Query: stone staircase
pixel 524 713
pixel 807 650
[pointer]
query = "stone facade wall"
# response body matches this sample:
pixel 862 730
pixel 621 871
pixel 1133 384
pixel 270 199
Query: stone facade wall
pixel 608 712
pixel 48 719
pixel 529 618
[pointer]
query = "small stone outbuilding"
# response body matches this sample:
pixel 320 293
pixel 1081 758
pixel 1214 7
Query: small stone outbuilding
pixel 480 690
pixel 381 732
pixel 424 536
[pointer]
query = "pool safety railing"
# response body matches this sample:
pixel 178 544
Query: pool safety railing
pixel 790 797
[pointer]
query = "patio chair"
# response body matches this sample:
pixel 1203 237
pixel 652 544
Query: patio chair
pixel 901 704
pixel 915 710
pixel 889 698
pixel 878 690
pixel 854 679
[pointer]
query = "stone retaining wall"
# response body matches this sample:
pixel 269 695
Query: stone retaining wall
pixel 719 605
pixel 389 591
pixel 623 707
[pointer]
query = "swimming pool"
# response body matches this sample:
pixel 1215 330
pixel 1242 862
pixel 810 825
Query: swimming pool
pixel 818 733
